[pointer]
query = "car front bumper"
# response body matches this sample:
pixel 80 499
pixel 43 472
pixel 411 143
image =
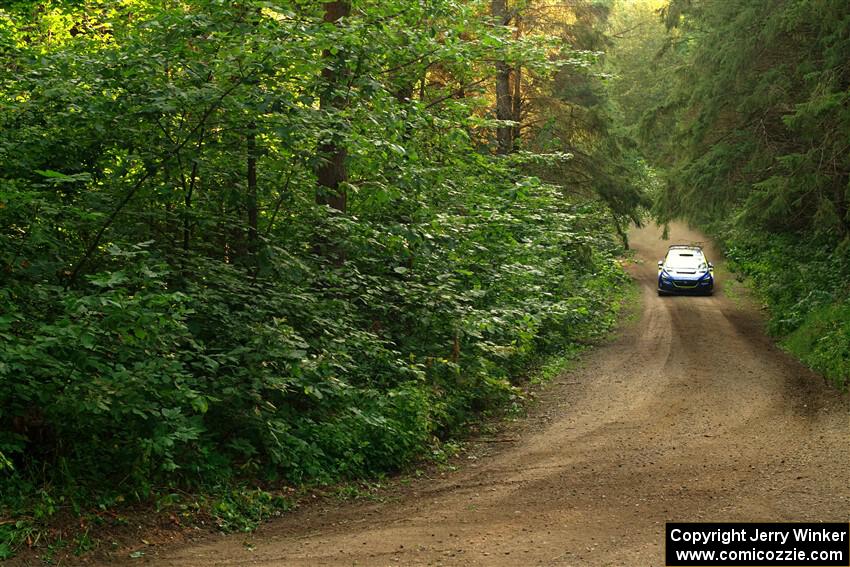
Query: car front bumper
pixel 679 285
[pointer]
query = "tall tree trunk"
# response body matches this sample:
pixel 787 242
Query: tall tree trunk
pixel 517 96
pixel 251 201
pixel 517 105
pixel 403 79
pixel 504 134
pixel 841 193
pixel 331 172
pixel 187 205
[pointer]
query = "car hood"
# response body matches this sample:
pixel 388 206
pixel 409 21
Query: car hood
pixel 685 273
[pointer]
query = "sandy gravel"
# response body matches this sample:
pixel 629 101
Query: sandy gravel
pixel 691 414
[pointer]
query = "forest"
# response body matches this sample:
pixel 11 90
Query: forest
pixel 252 244
pixel 742 109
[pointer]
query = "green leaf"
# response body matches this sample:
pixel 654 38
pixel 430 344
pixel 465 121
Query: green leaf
pixel 200 405
pixel 51 174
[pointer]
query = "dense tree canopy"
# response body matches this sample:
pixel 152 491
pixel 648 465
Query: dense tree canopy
pixel 288 239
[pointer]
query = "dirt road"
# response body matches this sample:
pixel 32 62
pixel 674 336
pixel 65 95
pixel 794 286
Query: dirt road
pixel 690 415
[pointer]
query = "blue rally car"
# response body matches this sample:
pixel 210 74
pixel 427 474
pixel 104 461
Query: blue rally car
pixel 685 270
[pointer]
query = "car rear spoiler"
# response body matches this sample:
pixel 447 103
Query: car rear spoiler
pixel 687 246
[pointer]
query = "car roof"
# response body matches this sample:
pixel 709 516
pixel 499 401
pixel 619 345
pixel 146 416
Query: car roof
pixel 685 247
pixel 683 250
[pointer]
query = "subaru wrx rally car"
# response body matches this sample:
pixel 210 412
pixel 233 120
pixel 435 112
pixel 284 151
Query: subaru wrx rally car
pixel 685 270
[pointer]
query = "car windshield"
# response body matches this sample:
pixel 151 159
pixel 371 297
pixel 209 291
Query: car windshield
pixel 685 260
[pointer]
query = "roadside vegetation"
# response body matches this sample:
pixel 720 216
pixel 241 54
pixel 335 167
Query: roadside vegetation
pixel 741 108
pixel 252 245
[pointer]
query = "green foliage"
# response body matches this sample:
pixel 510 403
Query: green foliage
pixel 822 341
pixel 803 283
pixel 574 123
pixel 755 119
pixel 242 509
pixel 13 535
pixel 169 319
